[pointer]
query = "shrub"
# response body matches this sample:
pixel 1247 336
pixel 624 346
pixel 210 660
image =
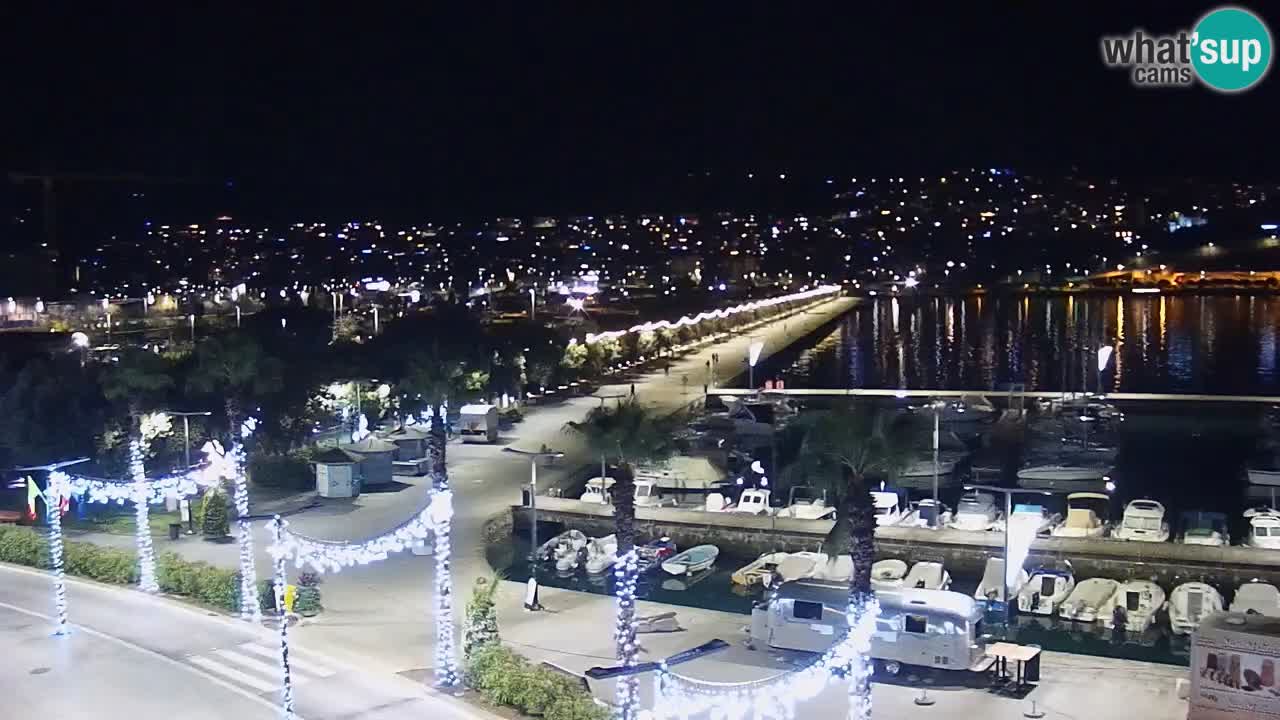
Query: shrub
pixel 23 547
pixel 481 625
pixel 215 522
pixel 505 678
pixel 108 565
pixel 287 472
pixel 267 595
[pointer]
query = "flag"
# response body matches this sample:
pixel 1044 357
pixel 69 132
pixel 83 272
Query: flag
pixel 33 492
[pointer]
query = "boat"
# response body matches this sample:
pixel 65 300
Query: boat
pixel 1062 473
pixel 1264 528
pixel 566 543
pixel 690 561
pixel 1088 596
pixel 888 574
pixel 567 562
pixel 602 553
pixel 752 501
pixel 1134 604
pixel 1257 599
pixel 1143 521
pixel 648 494
pixel 680 583
pixel 928 575
pixel 1189 603
pixel 1264 467
pixel 1082 519
pixel 991 590
pixel 888 507
pixel 967 409
pixel 798 565
pixel 1204 528
pixel 651 555
pixel 804 503
pixel 1034 519
pixel 760 571
pixel 919 472
pixel 1045 590
pixel 976 512
pixel 927 514
pixel 598 491
pixel 833 569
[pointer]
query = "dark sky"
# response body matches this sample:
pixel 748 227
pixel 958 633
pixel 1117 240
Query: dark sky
pixel 508 110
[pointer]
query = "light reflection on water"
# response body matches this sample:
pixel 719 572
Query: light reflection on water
pixel 1213 344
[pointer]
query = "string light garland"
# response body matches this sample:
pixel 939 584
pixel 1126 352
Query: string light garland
pixel 235 463
pixel 279 579
pixel 54 494
pixel 678 696
pixel 446 658
pixel 685 320
pixel 626 576
pixel 142 519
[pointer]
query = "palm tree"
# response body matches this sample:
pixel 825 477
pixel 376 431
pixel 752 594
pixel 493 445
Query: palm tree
pixel 138 378
pixel 841 451
pixel 627 433
pixel 237 367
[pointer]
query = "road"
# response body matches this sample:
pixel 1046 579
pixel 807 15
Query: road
pixel 142 657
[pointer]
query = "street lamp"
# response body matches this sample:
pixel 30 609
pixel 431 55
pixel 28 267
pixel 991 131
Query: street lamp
pixel 531 598
pixel 184 504
pixel 753 356
pixel 1104 357
pixel 1010 569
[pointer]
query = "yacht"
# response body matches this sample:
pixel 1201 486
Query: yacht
pixel 1083 520
pixel 1045 590
pixel 991 589
pixel 928 575
pixel 1204 528
pixel 1135 603
pixel 1264 528
pixel 1084 602
pixel 1064 472
pixel 1257 599
pixel 1190 603
pixel 976 512
pixel 1143 521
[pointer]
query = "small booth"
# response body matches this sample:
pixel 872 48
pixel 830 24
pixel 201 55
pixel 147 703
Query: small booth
pixel 410 441
pixel 376 458
pixel 478 423
pixel 337 473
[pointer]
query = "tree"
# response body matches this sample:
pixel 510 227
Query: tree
pixel 139 378
pixel 215 521
pixel 236 367
pixel 52 411
pixel 628 433
pixel 841 451
pixel 481 626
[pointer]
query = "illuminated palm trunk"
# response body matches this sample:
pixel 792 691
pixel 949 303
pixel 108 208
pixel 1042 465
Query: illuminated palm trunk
pixel 625 576
pixel 446 662
pixel 141 508
pixel 862 527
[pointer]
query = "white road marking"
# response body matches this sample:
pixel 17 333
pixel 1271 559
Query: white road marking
pixel 296 659
pixel 233 674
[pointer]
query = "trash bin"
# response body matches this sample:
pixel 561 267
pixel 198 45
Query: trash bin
pixel 1031 672
pixel 175 529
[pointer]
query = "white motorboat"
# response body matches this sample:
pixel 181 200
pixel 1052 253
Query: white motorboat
pixel 1189 603
pixel 1204 528
pixel 564 544
pixel 716 502
pixel 888 574
pixel 967 409
pixel 602 553
pixel 833 569
pixel 1264 528
pixel 760 571
pixel 680 583
pixel 1035 519
pixel 888 509
pixel 799 565
pixel 647 493
pixel 1045 590
pixel 693 560
pixel 1083 520
pixel 753 501
pixel 991 589
pixel 1261 474
pixel 976 512
pixel 927 514
pixel 1058 475
pixel 1088 596
pixel 805 504
pixel 598 491
pixel 1257 599
pixel 928 575
pixel 1143 521
pixel 1135 604
pixel 919 472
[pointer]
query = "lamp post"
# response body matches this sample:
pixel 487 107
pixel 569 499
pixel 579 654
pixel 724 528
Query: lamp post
pixel 192 318
pixel 1009 572
pixel 184 504
pixel 937 508
pixel 532 303
pixel 753 356
pixel 531 602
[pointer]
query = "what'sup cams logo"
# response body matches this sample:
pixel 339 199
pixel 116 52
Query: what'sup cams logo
pixel 1228 50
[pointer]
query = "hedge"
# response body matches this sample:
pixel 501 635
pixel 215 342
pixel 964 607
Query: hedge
pixel 198 581
pixel 287 472
pixel 505 678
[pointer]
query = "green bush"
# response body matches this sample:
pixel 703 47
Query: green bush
pixel 22 546
pixel 287 472
pixel 108 565
pixel 215 522
pixel 505 678
pixel 267 595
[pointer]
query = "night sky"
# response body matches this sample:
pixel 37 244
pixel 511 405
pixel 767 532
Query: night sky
pixel 506 111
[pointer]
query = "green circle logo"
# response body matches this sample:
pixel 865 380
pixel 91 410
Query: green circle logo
pixel 1231 49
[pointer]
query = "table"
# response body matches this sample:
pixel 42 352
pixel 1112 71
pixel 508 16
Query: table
pixel 1003 652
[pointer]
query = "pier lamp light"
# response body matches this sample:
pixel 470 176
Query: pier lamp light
pixel 753 356
pixel 1104 356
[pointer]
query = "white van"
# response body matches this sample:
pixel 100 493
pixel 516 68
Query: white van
pixel 925 628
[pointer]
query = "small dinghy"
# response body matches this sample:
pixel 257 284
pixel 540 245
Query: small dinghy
pixel 759 571
pixel 838 569
pixel 1045 590
pixel 1134 606
pixel 991 589
pixel 564 543
pixel 928 576
pixel 798 565
pixel 1190 603
pixel 680 583
pixel 1090 595
pixel 1257 599
pixel 602 553
pixel 653 554
pixel 888 574
pixel 692 560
